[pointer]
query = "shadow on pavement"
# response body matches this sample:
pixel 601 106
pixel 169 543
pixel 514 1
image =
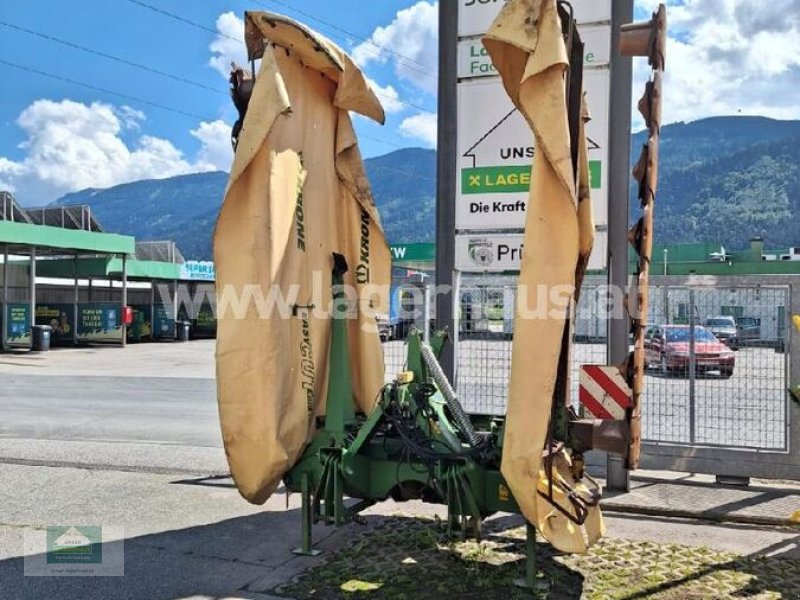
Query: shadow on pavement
pixel 217 560
pixel 250 557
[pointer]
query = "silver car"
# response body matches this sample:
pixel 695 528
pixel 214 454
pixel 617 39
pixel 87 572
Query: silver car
pixel 725 330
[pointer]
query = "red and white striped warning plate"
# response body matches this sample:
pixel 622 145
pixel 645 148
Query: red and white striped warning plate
pixel 604 391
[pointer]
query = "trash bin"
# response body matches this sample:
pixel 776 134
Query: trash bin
pixel 182 330
pixel 40 335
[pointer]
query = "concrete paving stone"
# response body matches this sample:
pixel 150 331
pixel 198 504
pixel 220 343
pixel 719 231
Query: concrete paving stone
pixel 752 504
pixel 197 538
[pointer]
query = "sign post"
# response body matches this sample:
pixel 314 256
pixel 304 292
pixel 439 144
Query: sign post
pixel 3 340
pixel 446 157
pixel 617 477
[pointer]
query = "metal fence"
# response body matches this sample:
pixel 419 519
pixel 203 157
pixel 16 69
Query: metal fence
pixel 718 370
pixel 74 216
pixel 729 394
pixel 708 407
pixel 10 210
pixel 414 305
pixel 162 251
pixel 484 326
pixel 483 349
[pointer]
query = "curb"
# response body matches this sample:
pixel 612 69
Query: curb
pixel 710 515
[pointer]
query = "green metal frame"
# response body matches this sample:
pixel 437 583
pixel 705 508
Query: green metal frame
pixel 350 455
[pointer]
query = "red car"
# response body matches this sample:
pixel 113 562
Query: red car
pixel 667 348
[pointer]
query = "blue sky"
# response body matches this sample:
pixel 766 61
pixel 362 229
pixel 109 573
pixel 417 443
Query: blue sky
pixel 56 136
pixel 141 35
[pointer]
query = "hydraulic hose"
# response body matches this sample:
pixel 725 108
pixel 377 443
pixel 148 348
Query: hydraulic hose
pixel 450 397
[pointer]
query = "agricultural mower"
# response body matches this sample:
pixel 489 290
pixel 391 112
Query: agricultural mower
pixel 416 441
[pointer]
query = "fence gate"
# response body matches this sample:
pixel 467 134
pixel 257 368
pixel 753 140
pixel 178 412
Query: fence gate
pixel 703 392
pixel 485 323
pixel 709 407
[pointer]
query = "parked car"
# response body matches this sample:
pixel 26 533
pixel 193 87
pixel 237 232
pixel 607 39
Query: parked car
pixel 384 327
pixel 749 329
pixel 725 330
pixel 667 348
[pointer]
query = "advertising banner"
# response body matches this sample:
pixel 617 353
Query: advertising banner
pixel 60 317
pixel 141 330
pixel 197 270
pixel 475 16
pixel 18 324
pixel 99 322
pixel 163 323
pixel 495 143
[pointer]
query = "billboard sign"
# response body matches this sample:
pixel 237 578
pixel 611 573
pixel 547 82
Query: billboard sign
pixel 502 252
pixel 475 16
pixel 495 144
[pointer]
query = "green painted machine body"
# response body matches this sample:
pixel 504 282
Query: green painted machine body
pixel 409 446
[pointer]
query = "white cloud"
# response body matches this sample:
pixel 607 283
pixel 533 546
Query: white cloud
pixel 410 42
pixel 422 127
pixel 388 96
pixel 72 146
pixel 215 140
pixel 727 57
pixel 225 49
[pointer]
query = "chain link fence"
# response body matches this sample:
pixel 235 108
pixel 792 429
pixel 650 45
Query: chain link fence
pixel 717 367
pixel 716 356
pixel 485 326
pixel 412 305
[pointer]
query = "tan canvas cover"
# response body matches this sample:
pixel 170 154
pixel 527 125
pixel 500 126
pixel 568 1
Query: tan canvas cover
pixel 297 193
pixel 527 48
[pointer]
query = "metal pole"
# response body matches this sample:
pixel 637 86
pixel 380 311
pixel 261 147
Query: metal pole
pixel 152 310
pixel 124 297
pixel 175 300
pixel 426 314
pixel 306 548
pixel 692 366
pixel 446 158
pixel 76 298
pixel 32 283
pixel 618 478
pixel 3 320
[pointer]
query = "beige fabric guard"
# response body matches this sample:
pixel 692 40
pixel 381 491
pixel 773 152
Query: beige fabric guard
pixel 297 193
pixel 528 50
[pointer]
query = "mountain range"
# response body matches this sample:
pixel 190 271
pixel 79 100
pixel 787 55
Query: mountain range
pixel 722 180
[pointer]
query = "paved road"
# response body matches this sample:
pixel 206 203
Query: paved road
pixel 117 409
pixel 40 401
pixel 71 442
pixel 193 538
pixel 148 407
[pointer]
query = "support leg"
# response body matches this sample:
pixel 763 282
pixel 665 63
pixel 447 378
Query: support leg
pixel 338 496
pixel 306 549
pixel 532 580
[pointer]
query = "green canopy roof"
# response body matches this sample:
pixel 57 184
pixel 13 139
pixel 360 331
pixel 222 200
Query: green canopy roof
pixel 108 268
pixel 68 240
